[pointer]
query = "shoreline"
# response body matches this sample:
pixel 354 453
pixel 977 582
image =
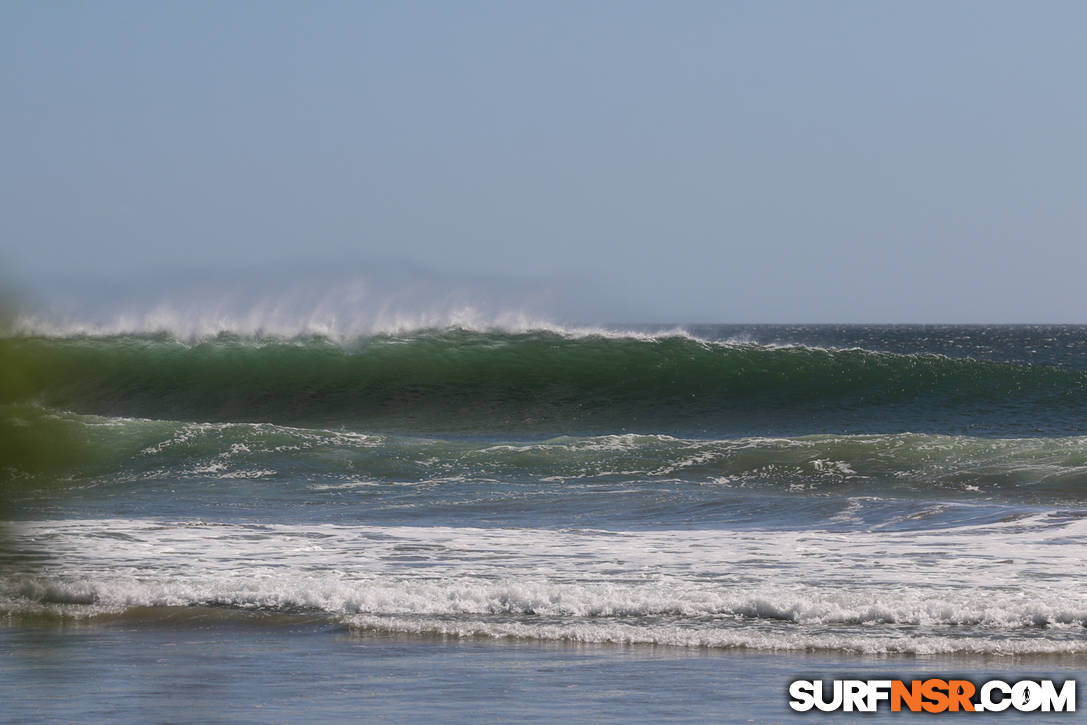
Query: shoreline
pixel 240 670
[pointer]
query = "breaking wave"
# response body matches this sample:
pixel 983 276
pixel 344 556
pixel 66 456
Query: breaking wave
pixel 533 382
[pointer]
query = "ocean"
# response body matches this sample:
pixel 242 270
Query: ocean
pixel 601 524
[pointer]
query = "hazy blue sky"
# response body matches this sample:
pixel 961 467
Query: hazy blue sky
pixel 691 161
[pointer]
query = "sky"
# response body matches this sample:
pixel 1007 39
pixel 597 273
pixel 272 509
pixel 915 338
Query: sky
pixel 627 161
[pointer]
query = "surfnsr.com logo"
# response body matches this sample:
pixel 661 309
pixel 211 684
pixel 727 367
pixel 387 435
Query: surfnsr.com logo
pixel 932 695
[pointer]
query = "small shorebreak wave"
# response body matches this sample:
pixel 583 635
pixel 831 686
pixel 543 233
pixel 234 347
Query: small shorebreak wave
pixel 123 452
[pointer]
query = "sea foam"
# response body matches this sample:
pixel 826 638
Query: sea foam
pixel 869 591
